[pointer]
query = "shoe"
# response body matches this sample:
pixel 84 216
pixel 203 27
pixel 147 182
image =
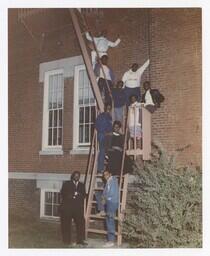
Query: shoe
pixel 83 243
pixel 109 244
pixel 101 214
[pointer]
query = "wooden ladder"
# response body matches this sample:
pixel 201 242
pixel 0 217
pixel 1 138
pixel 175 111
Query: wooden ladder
pixel 92 175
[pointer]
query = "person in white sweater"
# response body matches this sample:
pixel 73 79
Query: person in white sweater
pixel 102 45
pixel 132 81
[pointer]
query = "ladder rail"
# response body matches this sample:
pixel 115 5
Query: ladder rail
pixel 97 53
pixel 87 61
pixel 91 186
pixel 121 207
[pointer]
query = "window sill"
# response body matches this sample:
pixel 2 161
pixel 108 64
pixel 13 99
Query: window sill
pixel 50 219
pixel 47 152
pixel 79 151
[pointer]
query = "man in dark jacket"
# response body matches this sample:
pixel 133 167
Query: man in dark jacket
pixel 103 126
pixel 72 207
pixel 151 98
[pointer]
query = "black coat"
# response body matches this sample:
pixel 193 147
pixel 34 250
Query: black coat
pixel 157 97
pixel 72 197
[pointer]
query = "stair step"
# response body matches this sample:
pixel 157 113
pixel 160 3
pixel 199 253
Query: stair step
pixel 101 189
pixel 99 231
pixel 133 152
pixel 100 217
pixel 94 202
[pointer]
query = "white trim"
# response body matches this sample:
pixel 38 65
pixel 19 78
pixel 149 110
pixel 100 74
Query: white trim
pixel 50 150
pixel 80 151
pixel 39 176
pixel 76 109
pixel 67 64
pixel 84 148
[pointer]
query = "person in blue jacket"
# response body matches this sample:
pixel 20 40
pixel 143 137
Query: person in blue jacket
pixel 103 126
pixel 110 204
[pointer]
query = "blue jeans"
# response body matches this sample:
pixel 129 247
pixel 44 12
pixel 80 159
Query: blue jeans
pixel 100 206
pixel 101 155
pixel 111 208
pixel 118 114
pixel 132 91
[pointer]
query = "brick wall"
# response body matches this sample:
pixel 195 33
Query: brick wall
pixel 172 39
pixel 175 52
pixel 24 197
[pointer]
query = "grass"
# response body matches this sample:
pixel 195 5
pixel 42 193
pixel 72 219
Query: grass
pixel 27 232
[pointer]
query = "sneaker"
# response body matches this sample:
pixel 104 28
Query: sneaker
pixel 109 244
pixel 101 214
pixel 83 243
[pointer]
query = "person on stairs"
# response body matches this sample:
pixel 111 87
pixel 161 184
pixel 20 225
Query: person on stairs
pixel 118 95
pixel 114 144
pixel 106 82
pixel 134 119
pixel 151 97
pixel 109 205
pixel 102 45
pixel 72 207
pixel 103 127
pixel 132 80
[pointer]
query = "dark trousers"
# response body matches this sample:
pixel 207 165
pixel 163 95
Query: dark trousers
pixel 104 90
pixel 66 225
pixel 132 91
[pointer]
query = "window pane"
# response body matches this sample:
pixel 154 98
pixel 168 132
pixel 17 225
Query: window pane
pixel 60 117
pixel 55 118
pixel 54 136
pixel 87 133
pixel 59 136
pixel 48 197
pixel 50 118
pixel 56 198
pixel 87 117
pixel 80 133
pixel 81 115
pixel 50 137
pixel 93 114
pixel 55 210
pixel 48 210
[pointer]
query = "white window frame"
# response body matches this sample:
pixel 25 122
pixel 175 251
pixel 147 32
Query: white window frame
pixel 42 203
pixel 46 149
pixel 76 147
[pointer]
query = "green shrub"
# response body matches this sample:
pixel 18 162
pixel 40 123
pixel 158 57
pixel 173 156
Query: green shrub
pixel 165 209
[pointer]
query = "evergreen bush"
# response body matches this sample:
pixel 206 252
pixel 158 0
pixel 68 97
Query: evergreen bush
pixel 165 210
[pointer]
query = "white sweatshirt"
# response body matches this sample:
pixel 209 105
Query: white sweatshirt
pixel 102 43
pixel 133 79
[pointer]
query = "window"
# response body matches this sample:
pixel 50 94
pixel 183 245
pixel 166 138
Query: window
pixel 84 109
pixel 52 133
pixel 50 201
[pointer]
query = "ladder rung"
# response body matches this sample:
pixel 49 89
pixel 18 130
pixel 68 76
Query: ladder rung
pixel 100 217
pixel 100 175
pixel 92 230
pixel 137 151
pixel 94 202
pixel 101 189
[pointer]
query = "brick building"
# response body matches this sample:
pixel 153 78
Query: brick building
pixel 46 69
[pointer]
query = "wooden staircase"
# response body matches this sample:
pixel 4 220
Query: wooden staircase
pixel 92 175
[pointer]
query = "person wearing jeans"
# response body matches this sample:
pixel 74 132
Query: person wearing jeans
pixel 109 204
